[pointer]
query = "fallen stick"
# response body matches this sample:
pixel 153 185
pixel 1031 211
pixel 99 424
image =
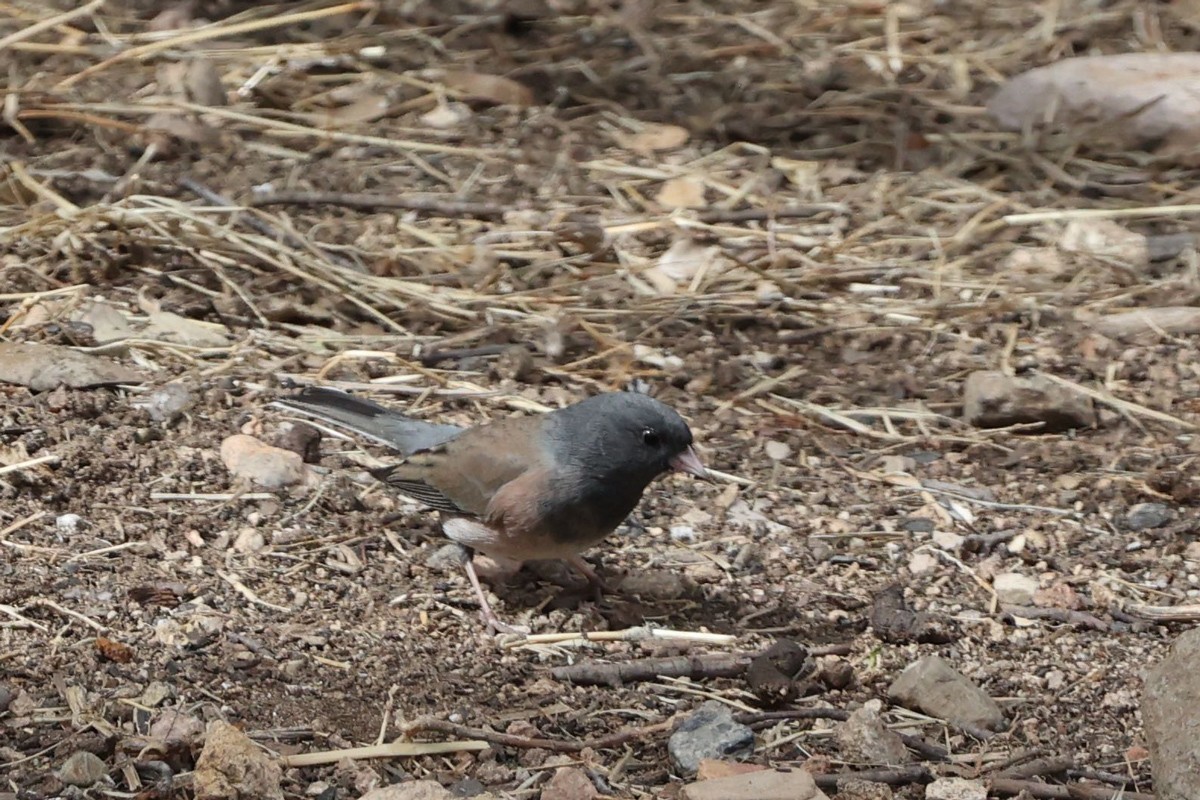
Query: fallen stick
pixel 1049 791
pixel 592 673
pixel 899 776
pixel 389 750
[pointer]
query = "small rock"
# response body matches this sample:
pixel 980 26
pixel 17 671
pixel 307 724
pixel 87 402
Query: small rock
pixel 231 767
pixel 467 787
pixel 947 540
pixel 1143 516
pixel 412 790
pixel 6 696
pixel 934 687
pixel 709 732
pixel 917 524
pixel 1105 238
pixel 68 523
pixel 167 403
pixel 858 789
pixel 249 540
pixel 995 400
pixel 1014 588
pixel 569 783
pixel 955 789
pixel 1171 717
pixel 447 558
pixel 269 467
pixel 865 738
pixel 894 463
pixel 836 673
pixel 175 727
pixel 773 784
pixel 82 769
pixel 922 562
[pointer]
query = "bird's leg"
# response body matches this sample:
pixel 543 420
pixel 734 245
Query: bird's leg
pixel 595 580
pixel 485 608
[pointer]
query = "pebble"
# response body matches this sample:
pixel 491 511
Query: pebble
pixel 865 738
pixel 569 783
pixel 447 558
pixel 82 769
pixel 709 732
pixel 1143 516
pixel 955 789
pixel 1015 589
pixel 269 467
pixel 931 685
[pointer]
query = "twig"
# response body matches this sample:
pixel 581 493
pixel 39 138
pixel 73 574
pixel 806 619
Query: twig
pixel 1184 613
pixel 246 592
pixel 766 214
pixel 1050 765
pixel 212 496
pixel 639 634
pixel 33 462
pixel 212 32
pixel 49 22
pixel 43 602
pixel 1123 406
pixel 1035 217
pixel 371 202
pixel 1075 791
pixel 591 673
pixel 528 742
pixel 1066 615
pixel 395 749
pixel 899 776
pixel 12 612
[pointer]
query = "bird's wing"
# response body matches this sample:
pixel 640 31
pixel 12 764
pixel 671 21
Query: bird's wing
pixel 462 475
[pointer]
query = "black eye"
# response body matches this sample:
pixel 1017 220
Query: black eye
pixel 650 438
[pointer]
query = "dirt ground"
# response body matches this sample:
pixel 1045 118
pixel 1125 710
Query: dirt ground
pixel 820 355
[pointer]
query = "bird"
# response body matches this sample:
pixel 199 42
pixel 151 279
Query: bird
pixel 521 488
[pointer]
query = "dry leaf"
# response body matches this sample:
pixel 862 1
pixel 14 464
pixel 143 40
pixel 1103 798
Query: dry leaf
pixel 685 192
pixel 489 88
pixel 1133 96
pixel 654 138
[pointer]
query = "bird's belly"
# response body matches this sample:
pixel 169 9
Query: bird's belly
pixel 528 546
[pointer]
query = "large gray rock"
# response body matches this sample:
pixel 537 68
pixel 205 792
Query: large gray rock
pixel 934 687
pixel 995 400
pixel 710 732
pixel 1171 716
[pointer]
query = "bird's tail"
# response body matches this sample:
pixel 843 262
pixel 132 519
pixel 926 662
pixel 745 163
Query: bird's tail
pixel 367 419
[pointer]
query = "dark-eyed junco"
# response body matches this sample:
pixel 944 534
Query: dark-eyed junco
pixel 523 488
